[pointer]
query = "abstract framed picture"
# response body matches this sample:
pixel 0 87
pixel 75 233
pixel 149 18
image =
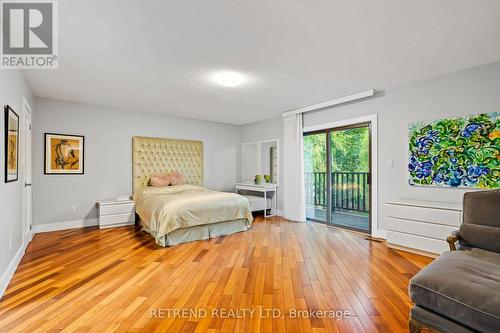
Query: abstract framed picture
pixel 11 145
pixel 456 152
pixel 64 154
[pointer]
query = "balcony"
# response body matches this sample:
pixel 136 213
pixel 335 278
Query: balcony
pixel 350 198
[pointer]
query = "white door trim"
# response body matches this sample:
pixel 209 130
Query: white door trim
pixel 27 224
pixel 372 118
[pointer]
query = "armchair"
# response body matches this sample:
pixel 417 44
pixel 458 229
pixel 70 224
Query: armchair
pixel 459 292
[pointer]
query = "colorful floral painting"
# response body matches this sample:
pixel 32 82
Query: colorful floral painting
pixel 457 152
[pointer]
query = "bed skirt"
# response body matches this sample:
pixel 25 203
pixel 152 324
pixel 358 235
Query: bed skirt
pixel 200 232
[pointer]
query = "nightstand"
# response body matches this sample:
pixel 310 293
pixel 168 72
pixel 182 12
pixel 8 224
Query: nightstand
pixel 113 213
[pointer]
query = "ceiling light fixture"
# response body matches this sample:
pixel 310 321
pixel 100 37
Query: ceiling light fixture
pixel 229 79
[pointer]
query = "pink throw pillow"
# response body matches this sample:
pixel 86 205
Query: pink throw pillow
pixel 160 179
pixel 177 178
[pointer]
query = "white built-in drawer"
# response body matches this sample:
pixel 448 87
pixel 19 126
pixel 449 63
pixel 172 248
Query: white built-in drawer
pixel 425 214
pixel 128 218
pixel 430 230
pixel 431 245
pixel 117 209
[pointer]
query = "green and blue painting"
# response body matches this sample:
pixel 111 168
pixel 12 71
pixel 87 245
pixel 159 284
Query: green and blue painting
pixel 456 152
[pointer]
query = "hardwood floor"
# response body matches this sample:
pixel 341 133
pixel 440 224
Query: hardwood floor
pixel 84 280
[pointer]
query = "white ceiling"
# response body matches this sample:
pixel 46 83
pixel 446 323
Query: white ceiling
pixel 156 55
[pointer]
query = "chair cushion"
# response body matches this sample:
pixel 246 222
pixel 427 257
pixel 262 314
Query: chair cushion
pixel 482 207
pixel 463 286
pixel 481 236
pixel 438 322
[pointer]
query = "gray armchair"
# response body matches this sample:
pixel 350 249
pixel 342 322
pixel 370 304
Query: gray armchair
pixel 459 292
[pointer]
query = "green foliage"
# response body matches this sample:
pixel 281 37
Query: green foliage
pixel 349 151
pixel 315 152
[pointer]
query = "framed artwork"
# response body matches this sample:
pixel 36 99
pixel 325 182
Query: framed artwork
pixel 11 145
pixel 456 152
pixel 64 154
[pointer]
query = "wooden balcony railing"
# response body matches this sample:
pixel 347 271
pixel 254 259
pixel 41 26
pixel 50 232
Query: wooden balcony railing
pixel 350 190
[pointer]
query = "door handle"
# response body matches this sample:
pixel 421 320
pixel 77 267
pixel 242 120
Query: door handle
pixel 27 185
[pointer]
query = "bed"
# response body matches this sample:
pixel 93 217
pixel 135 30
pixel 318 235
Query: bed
pixel 184 213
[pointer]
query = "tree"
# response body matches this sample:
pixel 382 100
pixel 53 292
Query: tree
pixel 349 151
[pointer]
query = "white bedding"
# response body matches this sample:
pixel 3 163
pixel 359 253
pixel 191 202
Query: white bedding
pixel 166 209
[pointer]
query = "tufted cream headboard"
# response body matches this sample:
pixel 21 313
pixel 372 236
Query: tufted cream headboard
pixel 152 155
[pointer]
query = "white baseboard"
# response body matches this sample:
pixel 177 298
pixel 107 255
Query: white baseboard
pixel 293 219
pixel 11 269
pixel 29 235
pixel 65 225
pixel 382 233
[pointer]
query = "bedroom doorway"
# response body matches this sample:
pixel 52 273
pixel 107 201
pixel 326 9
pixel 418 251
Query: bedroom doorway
pixel 337 166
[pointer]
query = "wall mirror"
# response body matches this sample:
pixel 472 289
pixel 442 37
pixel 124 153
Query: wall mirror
pixel 260 158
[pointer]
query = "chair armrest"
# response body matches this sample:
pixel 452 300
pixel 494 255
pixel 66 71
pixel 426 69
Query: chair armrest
pixel 452 239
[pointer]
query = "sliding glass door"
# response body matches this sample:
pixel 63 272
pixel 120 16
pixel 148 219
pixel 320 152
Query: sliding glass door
pixel 316 180
pixel 337 164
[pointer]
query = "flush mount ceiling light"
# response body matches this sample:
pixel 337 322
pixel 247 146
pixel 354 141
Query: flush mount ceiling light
pixel 229 79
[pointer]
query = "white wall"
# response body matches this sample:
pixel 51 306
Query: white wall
pixel 466 92
pixel 12 89
pixel 108 155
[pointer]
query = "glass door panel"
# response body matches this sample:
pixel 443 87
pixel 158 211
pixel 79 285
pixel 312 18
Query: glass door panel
pixel 315 176
pixel 350 177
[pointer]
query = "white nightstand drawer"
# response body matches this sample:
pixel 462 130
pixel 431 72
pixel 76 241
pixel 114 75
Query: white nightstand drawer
pixel 109 220
pixel 117 209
